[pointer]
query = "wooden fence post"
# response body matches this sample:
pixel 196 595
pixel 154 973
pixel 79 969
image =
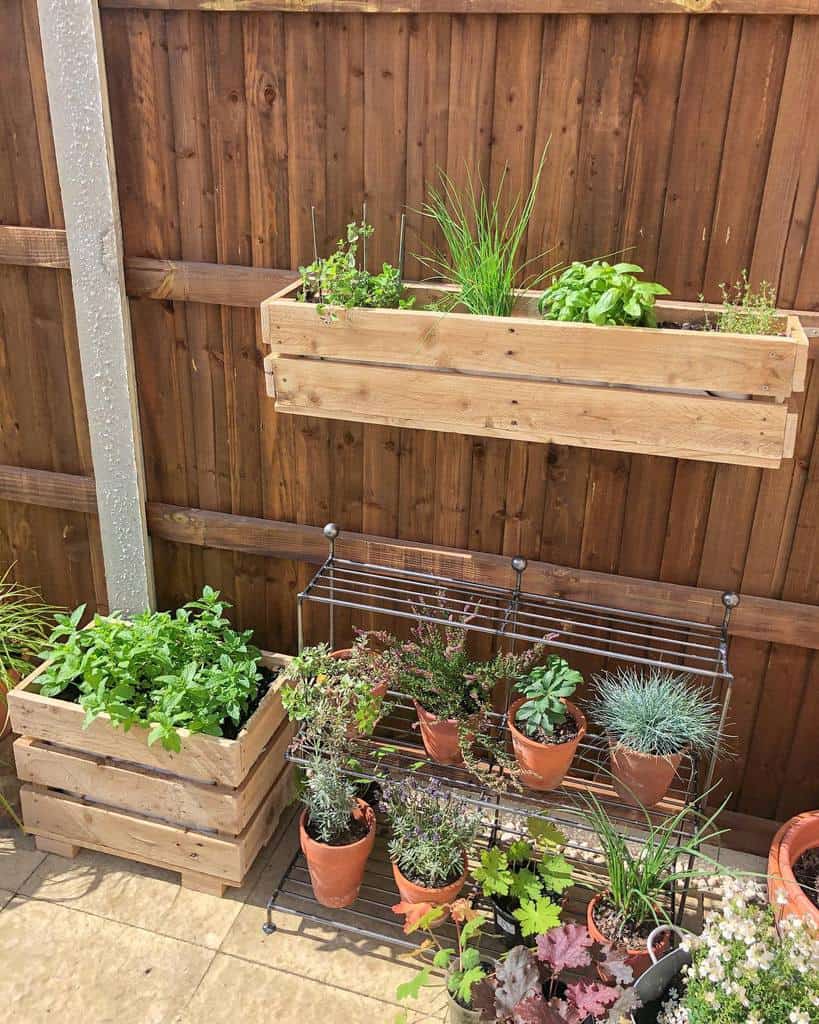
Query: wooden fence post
pixel 78 100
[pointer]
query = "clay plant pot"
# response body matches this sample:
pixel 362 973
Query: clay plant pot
pixel 336 871
pixel 639 959
pixel 379 690
pixel 641 778
pixel 792 840
pixel 440 736
pixel 412 893
pixel 544 765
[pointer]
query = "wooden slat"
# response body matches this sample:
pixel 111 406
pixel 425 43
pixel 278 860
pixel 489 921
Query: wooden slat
pixel 712 429
pixel 33 247
pixel 760 618
pixel 483 6
pixel 52 490
pixel 188 281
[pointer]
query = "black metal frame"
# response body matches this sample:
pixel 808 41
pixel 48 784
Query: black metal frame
pixel 513 615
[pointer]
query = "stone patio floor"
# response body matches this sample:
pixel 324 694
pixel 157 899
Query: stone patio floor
pixel 101 940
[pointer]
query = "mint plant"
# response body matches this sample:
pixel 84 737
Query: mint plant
pixel 164 671
pixel 338 280
pixel 602 294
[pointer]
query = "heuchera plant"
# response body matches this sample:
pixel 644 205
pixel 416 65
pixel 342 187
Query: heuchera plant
pixel 527 987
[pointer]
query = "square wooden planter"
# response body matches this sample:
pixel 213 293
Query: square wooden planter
pixel 205 811
pixel 653 390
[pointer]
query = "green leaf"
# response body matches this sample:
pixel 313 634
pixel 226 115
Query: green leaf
pixel 412 988
pixel 557 873
pixel 537 916
pixel 466 982
pixel 443 958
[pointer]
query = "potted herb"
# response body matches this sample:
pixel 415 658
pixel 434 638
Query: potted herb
pixel 529 985
pixel 652 718
pixel 793 868
pixel 433 830
pixel 525 880
pixel 449 689
pixel 641 880
pixel 602 294
pixel 335 696
pixel 463 963
pixel 25 624
pixel 745 970
pixel 336 829
pixel 546 727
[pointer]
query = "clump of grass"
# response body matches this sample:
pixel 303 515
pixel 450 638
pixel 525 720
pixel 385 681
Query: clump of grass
pixel 25 624
pixel 656 712
pixel 482 243
pixel 746 310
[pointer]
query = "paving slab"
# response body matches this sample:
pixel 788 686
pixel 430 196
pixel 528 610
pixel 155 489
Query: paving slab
pixel 18 858
pixel 62 964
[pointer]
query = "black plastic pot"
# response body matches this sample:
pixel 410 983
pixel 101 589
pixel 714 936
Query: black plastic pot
pixel 508 927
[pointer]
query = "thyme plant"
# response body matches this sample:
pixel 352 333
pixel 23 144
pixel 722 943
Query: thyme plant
pixel 746 310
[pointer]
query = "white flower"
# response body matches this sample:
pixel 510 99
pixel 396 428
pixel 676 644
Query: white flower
pixel 799 1017
pixel 781 898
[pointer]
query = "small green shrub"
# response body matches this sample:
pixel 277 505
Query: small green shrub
pixel 482 243
pixel 656 711
pixel 432 828
pixel 338 280
pixel 746 310
pixel 599 293
pixel 545 688
pixel 165 671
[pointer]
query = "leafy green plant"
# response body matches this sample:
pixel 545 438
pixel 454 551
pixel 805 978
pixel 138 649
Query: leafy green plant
pixel 25 624
pixel 329 797
pixel 462 962
pixel 745 970
pixel 160 670
pixel 640 880
pixel 330 697
pixel 545 688
pixel 599 293
pixel 482 243
pixel 526 877
pixel 338 280
pixel 432 829
pixel 746 310
pixel 655 711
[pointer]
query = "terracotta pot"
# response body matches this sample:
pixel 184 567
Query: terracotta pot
pixel 440 736
pixel 544 765
pixel 790 842
pixel 412 893
pixel 637 959
pixel 379 690
pixel 641 778
pixel 336 871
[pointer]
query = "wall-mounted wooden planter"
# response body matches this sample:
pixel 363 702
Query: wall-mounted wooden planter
pixel 205 811
pixel 621 388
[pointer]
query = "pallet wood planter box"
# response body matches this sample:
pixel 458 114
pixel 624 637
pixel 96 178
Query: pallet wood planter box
pixel 205 811
pixel 628 389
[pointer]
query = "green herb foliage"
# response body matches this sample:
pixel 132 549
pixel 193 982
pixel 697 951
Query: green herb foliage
pixel 329 797
pixel 599 293
pixel 340 281
pixel 165 671
pixel 25 624
pixel 746 310
pixel 526 875
pixel 655 711
pixel 545 688
pixel 642 876
pixel 482 243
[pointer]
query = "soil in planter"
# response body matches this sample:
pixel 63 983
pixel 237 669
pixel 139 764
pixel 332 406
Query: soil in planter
pixel 356 830
pixel 694 325
pixel 417 880
pixel 622 933
pixel 71 694
pixel 806 873
pixel 562 733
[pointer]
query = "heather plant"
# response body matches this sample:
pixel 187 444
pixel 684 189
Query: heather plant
pixel 341 280
pixel 164 671
pixel 528 987
pixel 545 688
pixel 744 969
pixel 746 310
pixel 329 797
pixel 432 830
pixel 602 294
pixel 483 236
pixel 655 711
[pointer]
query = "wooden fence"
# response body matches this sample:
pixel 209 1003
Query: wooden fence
pixel 684 138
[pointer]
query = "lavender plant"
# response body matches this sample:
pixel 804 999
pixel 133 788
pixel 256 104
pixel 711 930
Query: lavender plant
pixel 432 829
pixel 329 796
